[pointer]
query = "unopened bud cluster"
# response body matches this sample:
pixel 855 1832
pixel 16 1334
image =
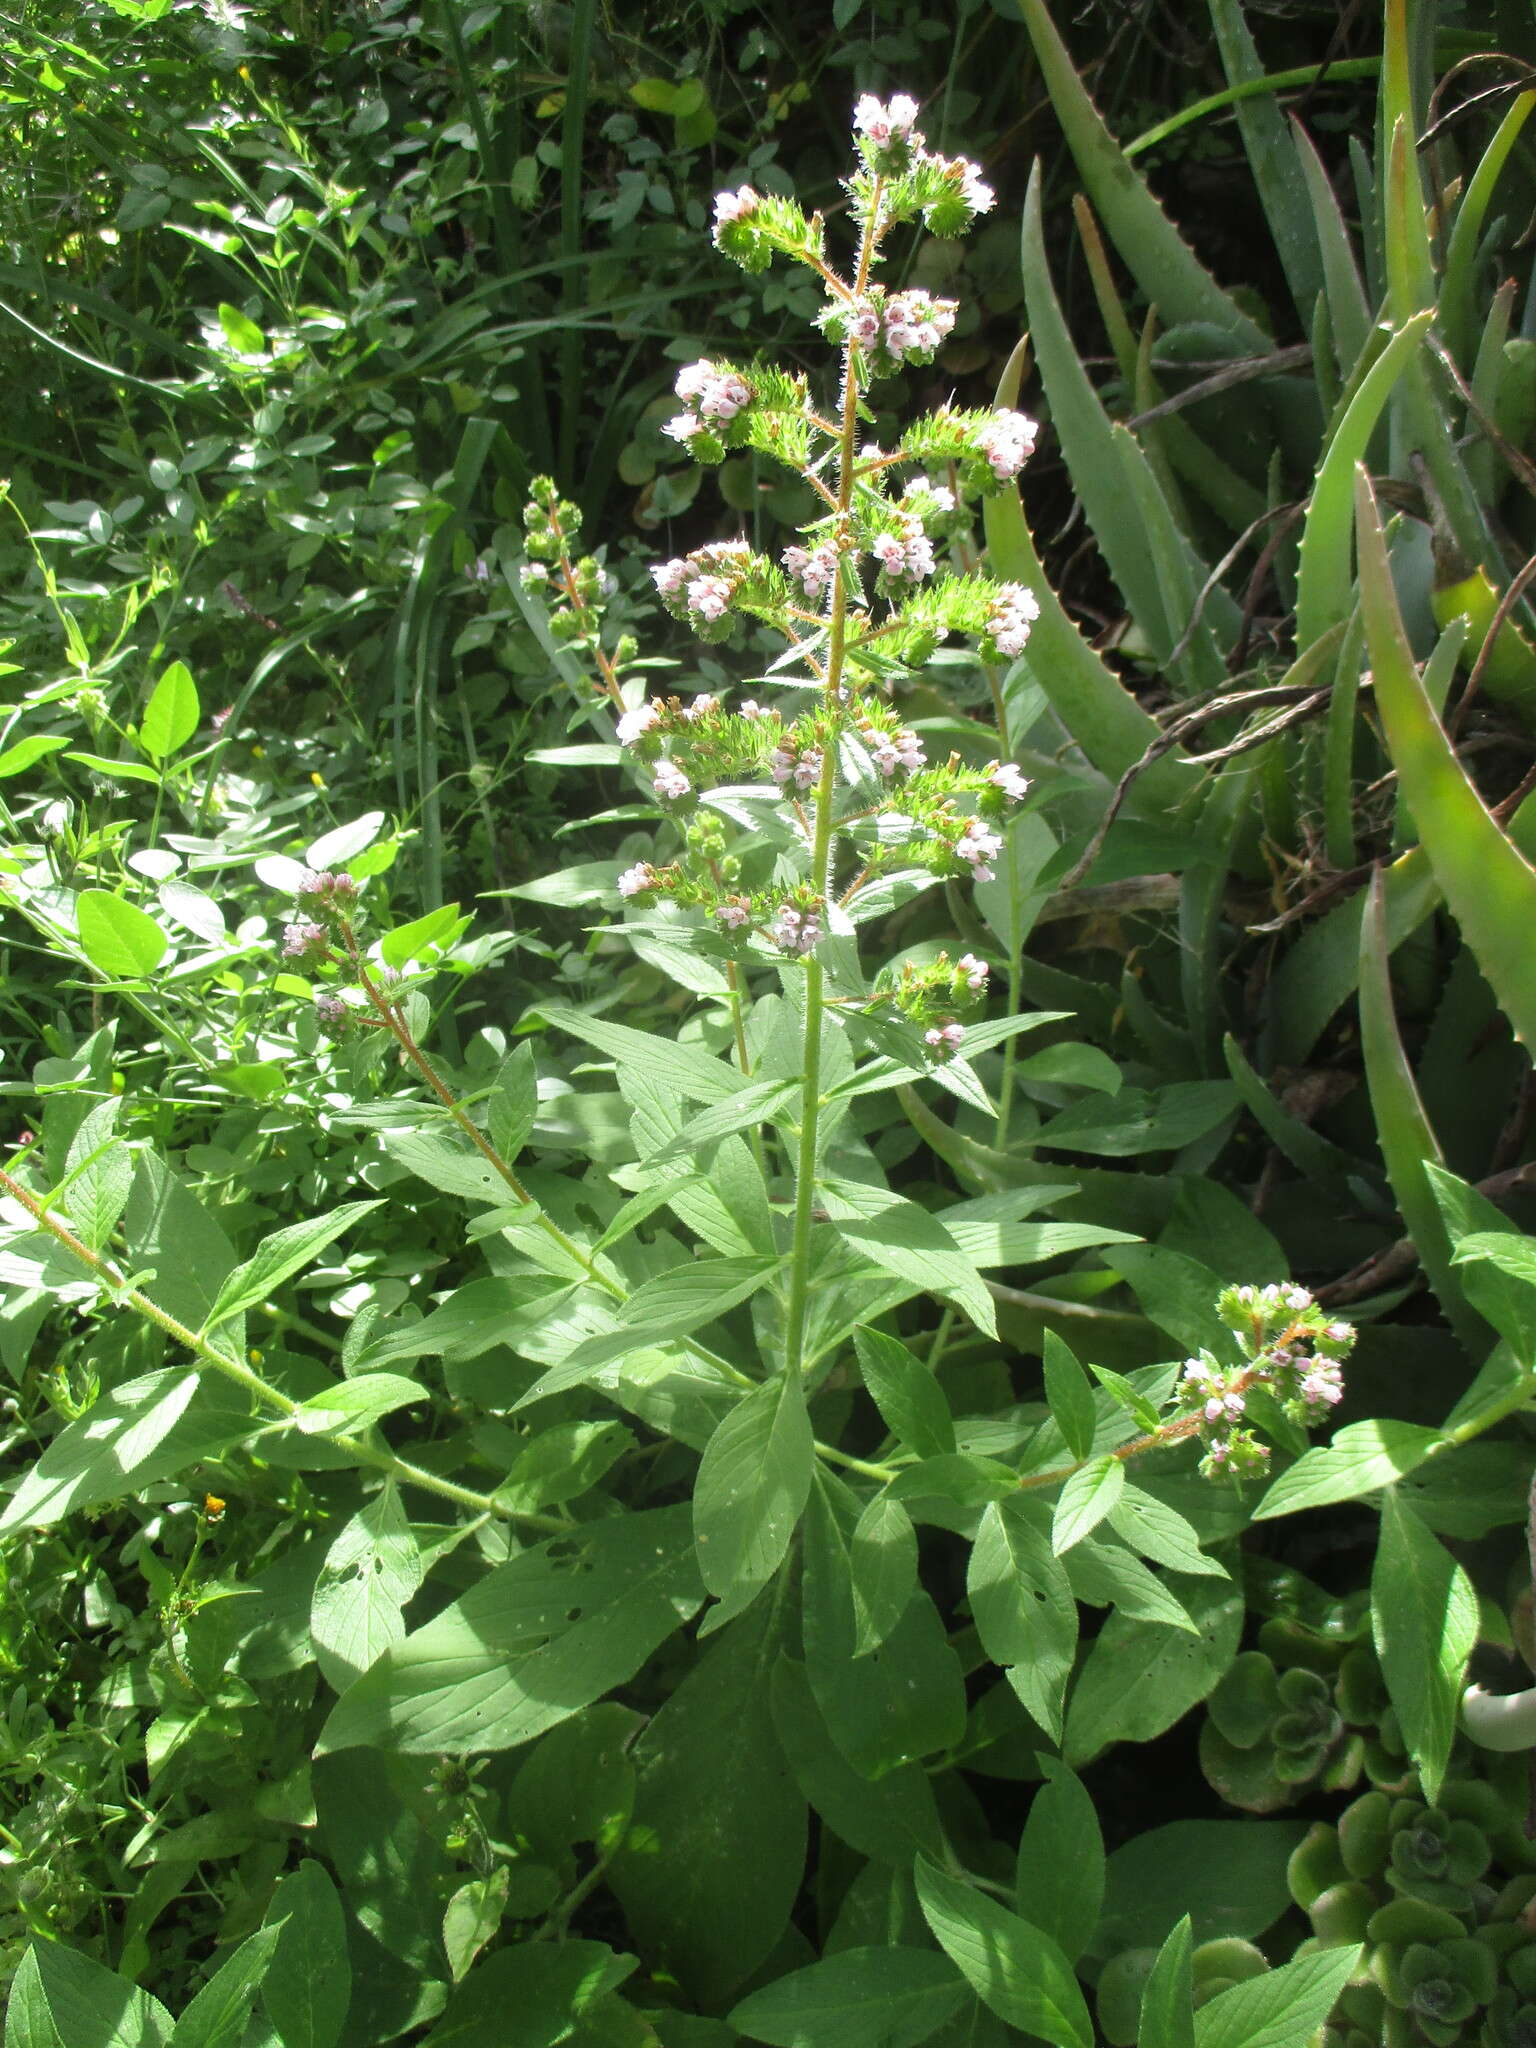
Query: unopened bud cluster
pixel 1291 1352
pixel 573 587
pixel 321 935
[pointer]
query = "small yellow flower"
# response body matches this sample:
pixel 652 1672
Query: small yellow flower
pixel 213 1507
pixel 317 778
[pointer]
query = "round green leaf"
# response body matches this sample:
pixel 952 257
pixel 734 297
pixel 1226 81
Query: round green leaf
pixel 118 938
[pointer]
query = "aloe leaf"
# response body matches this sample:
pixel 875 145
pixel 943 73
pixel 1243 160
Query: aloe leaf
pixel 1230 496
pixel 1402 1128
pixel 1458 319
pixel 1484 463
pixel 1090 700
pixel 1349 312
pixel 1311 1154
pixel 1488 883
pixel 1339 747
pixel 1325 571
pixel 1154 252
pixel 1273 159
pixel 1200 908
pixel 1319 974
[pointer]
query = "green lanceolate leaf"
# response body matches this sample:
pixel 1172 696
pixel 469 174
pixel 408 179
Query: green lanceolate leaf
pixel 1362 1458
pixel 1025 1611
pixel 752 1486
pixel 28 2022
pixel 513 1103
pixel 911 1402
pixel 686 1070
pixel 889 1818
pixel 860 1998
pixel 370 1571
pixel 904 1239
pixel 533 1641
pixel 1424 1621
pixel 1070 1394
pixel 92 2007
pixel 278 1257
pixel 171 715
pixel 1168 1996
pixel 219 2014
pixel 1488 883
pixel 1085 1499
pixel 1140 1677
pixel 882 1559
pixel 308 1989
pixel 1016 1969
pixel 1059 1883
pixel 1280 2008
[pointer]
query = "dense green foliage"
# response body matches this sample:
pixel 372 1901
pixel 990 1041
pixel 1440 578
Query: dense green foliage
pixel 676 1214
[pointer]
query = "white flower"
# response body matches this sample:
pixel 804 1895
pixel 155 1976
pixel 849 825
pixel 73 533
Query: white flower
pixel 1004 776
pixel 750 708
pixel 885 124
pixel 795 931
pixel 670 781
pixel 633 723
pixel 916 321
pixel 732 915
pixel 717 394
pixel 636 880
pixel 1007 441
pixel 683 426
pixel 974 970
pixel 701 707
pixel 978 196
pixel 733 206
pixel 534 575
pixel 669 577
pixel 1013 613
pixel 891 751
pixel 709 596
pixel 864 326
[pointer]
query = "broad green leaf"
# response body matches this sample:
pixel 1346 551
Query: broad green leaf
pixel 196 912
pixel 280 1256
pixel 1087 1497
pixel 1511 1254
pixel 91 2007
pixel 1139 1677
pixel 711 1868
pixel 217 2017
pixel 1226 1876
pixel 171 715
pixel 534 1640
pixel 120 940
pixel 911 1401
pixel 423 938
pixel 145 1430
pixel 514 1102
pixel 357 1404
pixel 1138 1120
pixel 1168 1996
pixel 888 1818
pixel 241 332
pixel 750 1106
pixel 98 1177
pixel 859 1998
pixel 370 1571
pixel 472 1916
pixel 1489 884
pixel 1023 1606
pixel 1016 1969
pixel 451 1164
pixel 752 1485
pixel 537 1991
pixel 1067 1389
pixel 1160 1532
pixel 308 1988
pixel 882 1560
pixel 901 1702
pixel 344 842
pixel 904 1239
pixel 689 1072
pixel 1059 1881
pixel 1279 2009
pixel 1105 1573
pixel 16 759
pixel 1424 1622
pixel 1363 1457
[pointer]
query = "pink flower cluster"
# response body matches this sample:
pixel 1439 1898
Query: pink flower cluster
pixel 1010 780
pixel 1291 1350
pixel 670 782
pixel 787 765
pixel 814 569
pixel 978 847
pixel 886 122
pixel 907 323
pixel 642 719
pixel 975 972
pixel 907 554
pixel 713 395
pixel 1014 612
pixel 795 931
pixel 637 880
pixel 891 751
pixel 733 913
pixel 945 1039
pixel 1008 441
pixel 706 593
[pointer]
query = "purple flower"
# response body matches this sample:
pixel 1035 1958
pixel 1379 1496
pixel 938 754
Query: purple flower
pixel 709 597
pixel 733 914
pixel 669 577
pixel 795 931
pixel 304 941
pixel 813 569
pixel 886 123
